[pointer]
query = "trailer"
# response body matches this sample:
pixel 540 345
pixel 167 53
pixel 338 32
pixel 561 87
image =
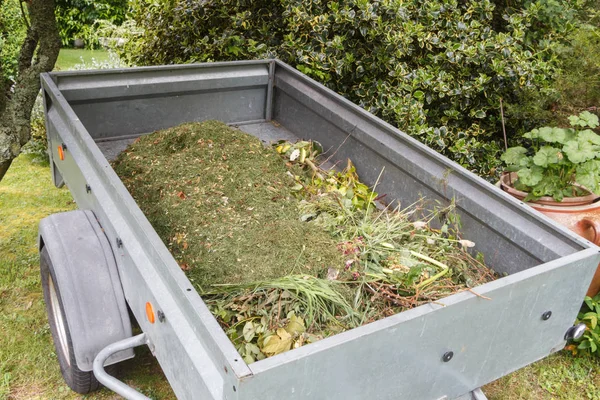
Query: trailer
pixel 103 262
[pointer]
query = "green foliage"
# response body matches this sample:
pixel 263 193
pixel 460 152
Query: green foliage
pixel 589 315
pixel 579 81
pixel 76 18
pixel 575 85
pixel 558 160
pixel 12 33
pixel 435 69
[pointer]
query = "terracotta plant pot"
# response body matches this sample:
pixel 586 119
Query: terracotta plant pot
pixel 579 214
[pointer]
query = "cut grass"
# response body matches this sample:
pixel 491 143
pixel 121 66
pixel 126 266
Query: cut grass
pixel 229 215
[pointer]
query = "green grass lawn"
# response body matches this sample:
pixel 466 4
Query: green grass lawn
pixel 68 58
pixel 28 364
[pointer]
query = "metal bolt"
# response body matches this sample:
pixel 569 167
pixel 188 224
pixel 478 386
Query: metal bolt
pixel 88 188
pixel 575 332
pixel 546 316
pixel 447 356
pixel 119 242
pixel 161 316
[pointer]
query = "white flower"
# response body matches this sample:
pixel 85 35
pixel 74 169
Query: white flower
pixel 430 241
pixel 419 224
pixel 466 243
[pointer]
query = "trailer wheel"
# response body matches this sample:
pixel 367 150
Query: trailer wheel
pixel 80 381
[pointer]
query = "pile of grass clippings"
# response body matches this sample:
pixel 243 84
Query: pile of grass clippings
pixel 223 205
pixel 284 252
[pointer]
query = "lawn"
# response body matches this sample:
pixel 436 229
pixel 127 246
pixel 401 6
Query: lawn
pixel 69 58
pixel 28 365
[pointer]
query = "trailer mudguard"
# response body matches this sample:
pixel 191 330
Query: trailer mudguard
pixel 86 273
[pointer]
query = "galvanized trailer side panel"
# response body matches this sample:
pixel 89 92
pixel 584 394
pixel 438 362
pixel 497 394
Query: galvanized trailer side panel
pixel 512 236
pixel 116 105
pixel 400 357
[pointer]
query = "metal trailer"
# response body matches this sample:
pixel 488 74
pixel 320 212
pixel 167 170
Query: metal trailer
pixel 105 258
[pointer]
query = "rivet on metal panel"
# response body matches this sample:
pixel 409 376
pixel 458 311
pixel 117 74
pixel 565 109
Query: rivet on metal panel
pixel 88 188
pixel 447 356
pixel 119 243
pixel 161 316
pixel 546 316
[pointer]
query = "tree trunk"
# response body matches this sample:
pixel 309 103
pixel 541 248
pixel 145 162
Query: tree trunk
pixel 38 54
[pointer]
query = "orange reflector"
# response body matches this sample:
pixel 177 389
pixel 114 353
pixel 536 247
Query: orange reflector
pixel 150 312
pixel 61 154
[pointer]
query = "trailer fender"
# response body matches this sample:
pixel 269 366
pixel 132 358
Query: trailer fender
pixel 85 272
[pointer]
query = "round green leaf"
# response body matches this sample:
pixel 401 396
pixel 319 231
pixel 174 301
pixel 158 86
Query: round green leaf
pixel 530 176
pixel 579 151
pixel 546 155
pixel 514 155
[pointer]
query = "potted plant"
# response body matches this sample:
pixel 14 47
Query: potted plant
pixel 558 173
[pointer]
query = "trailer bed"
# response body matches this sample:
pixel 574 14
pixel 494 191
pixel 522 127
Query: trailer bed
pixel 96 114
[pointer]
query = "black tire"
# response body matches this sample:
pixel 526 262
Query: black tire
pixel 79 381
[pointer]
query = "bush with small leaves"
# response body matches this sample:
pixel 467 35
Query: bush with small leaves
pixel 437 69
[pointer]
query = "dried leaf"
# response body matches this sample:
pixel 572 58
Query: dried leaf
pixel 181 195
pixel 332 274
pixel 295 326
pixel 277 344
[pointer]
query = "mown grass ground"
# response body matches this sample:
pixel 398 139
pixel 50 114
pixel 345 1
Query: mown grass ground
pixel 68 58
pixel 28 365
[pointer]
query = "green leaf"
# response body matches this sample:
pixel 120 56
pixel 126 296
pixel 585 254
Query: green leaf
pixel 584 119
pixel 590 136
pixel 531 176
pixel 480 114
pixel 593 318
pixel 533 134
pixel 514 155
pixel 556 135
pixel 579 151
pixel 251 348
pixel 249 331
pixel 545 132
pixel 587 174
pixel 549 186
pixel 546 155
pixel 590 119
pixel 419 95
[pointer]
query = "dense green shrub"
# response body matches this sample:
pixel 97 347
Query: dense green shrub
pixel 12 33
pixel 579 80
pixel 76 18
pixel 435 68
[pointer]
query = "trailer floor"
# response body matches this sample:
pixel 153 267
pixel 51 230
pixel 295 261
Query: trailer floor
pixel 267 132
